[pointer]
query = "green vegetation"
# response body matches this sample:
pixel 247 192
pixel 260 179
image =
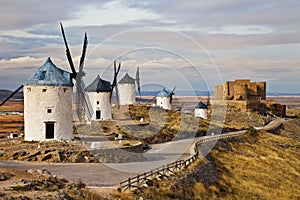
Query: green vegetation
pixel 18 188
pixel 251 131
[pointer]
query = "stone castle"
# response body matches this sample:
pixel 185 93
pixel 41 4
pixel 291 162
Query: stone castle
pixel 246 95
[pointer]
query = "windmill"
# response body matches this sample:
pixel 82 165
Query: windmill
pixel 164 98
pixel 126 89
pixel 100 92
pixel 82 99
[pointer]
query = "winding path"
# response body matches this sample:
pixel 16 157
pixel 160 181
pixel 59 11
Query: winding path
pixel 110 174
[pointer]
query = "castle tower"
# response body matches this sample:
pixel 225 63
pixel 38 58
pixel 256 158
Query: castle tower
pixel 201 110
pixel 126 90
pixel 48 104
pixel 99 92
pixel 163 99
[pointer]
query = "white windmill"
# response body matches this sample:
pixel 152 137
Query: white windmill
pixel 201 110
pixel 164 99
pixel 48 100
pixel 48 104
pixel 100 94
pixel 127 90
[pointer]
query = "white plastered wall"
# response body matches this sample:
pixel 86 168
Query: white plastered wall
pixel 201 112
pixel 38 101
pixel 126 94
pixel 101 101
pixel 163 102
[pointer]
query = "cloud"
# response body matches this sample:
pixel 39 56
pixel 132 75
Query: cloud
pixel 253 39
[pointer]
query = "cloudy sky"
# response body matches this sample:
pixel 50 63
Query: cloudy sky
pixel 187 44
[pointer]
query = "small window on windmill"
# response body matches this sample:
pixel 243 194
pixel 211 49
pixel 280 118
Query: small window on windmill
pixel 97 102
pixel 44 90
pixel 65 89
pixel 49 110
pixel 43 74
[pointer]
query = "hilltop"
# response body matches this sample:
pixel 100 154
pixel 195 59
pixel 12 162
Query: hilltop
pixel 5 93
pixel 261 166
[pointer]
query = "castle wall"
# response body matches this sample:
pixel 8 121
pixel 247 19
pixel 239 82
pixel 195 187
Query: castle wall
pixel 245 95
pixel 261 90
pixel 219 92
pixel 48 105
pixel 240 92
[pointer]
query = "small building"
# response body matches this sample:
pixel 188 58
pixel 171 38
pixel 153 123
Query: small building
pixel 99 92
pixel 163 99
pixel 48 104
pixel 201 110
pixel 126 90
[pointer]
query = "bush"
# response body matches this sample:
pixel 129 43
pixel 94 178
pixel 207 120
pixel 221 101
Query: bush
pixel 252 131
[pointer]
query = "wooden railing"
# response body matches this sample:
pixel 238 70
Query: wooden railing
pixel 160 172
pixel 164 171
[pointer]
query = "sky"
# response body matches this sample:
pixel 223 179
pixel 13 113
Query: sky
pixel 188 44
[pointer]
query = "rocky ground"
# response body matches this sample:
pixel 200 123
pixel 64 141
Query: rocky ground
pixel 39 184
pixel 65 152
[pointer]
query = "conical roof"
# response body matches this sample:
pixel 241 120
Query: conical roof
pixel 99 85
pixel 164 93
pixel 50 75
pixel 201 105
pixel 127 79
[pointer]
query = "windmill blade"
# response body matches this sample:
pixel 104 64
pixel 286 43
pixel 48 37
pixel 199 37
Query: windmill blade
pixel 78 102
pixel 171 94
pixel 82 96
pixel 11 95
pixel 83 101
pixel 83 53
pixel 148 102
pixel 137 79
pixel 116 72
pixel 68 53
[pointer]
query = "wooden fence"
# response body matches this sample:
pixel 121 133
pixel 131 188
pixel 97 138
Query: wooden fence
pixel 164 171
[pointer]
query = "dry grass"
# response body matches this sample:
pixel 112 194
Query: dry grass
pixel 264 167
pixel 267 169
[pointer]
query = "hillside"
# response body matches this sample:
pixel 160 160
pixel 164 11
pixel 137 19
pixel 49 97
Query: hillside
pixel 5 93
pixel 265 166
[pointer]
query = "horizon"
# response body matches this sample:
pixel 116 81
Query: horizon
pixel 203 44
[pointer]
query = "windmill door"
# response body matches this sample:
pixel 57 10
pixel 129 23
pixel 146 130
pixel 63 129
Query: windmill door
pixel 98 114
pixel 49 130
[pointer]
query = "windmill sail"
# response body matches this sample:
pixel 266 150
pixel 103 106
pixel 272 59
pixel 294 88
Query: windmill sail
pixel 171 94
pixel 82 98
pixel 11 95
pixel 137 78
pixel 114 83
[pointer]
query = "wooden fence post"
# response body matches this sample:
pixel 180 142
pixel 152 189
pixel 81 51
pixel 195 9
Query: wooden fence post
pixel 129 184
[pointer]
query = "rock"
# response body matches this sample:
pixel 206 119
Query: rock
pixel 5 176
pixel 40 172
pixel 16 198
pixel 63 196
pixel 47 157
